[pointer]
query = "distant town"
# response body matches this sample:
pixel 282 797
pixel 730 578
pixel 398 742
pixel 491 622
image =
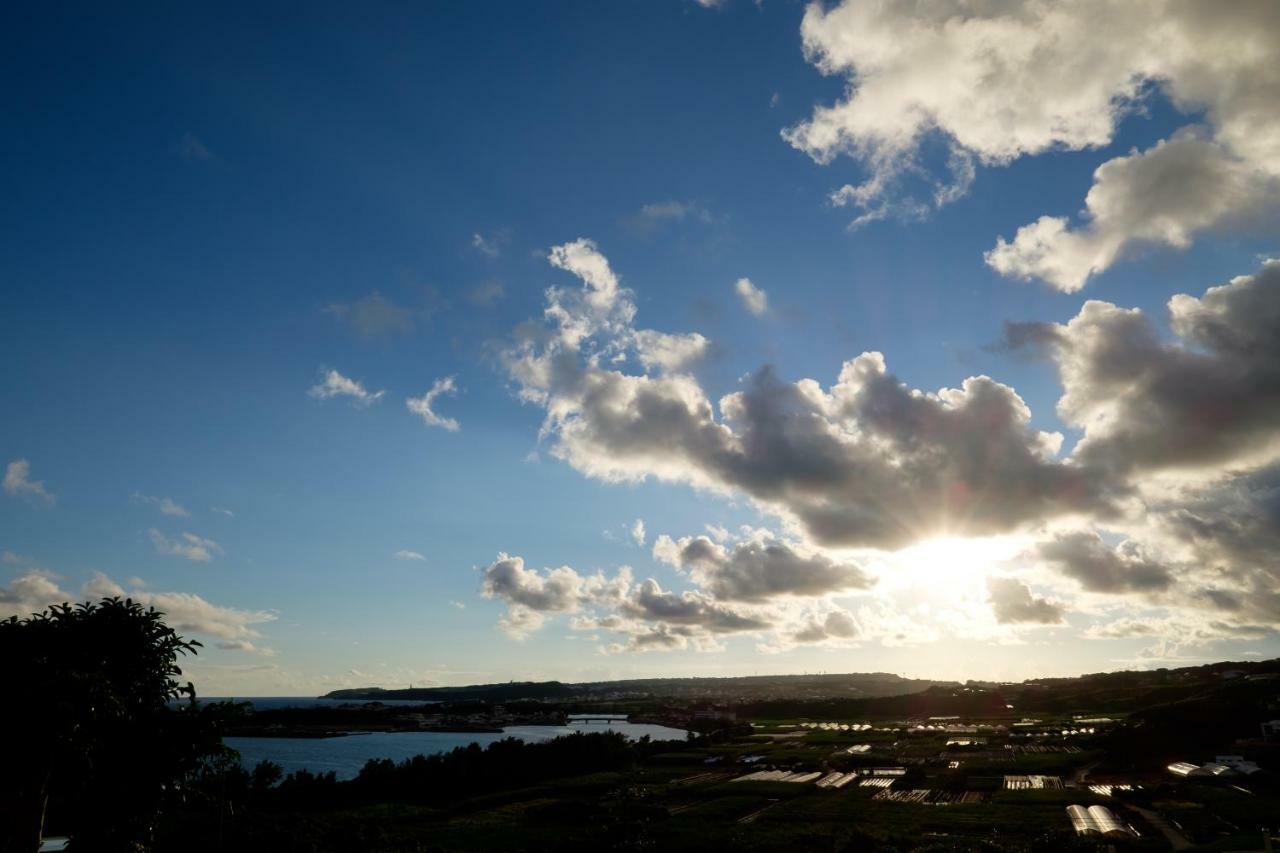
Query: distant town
pixel 1166 759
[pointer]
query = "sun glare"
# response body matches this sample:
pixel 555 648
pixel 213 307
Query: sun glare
pixel 951 564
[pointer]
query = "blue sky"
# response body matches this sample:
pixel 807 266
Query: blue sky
pixel 207 210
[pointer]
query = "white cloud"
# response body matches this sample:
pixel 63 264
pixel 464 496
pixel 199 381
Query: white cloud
pixel 670 353
pixel 753 298
pixel 189 613
pixel 409 555
pixel 31 592
pixel 222 511
pixel 166 506
pixel 996 82
pixel 638 532
pixel 101 586
pixel 520 621
pixel 422 406
pixel 18 482
pixel 188 546
pixel 334 384
pixel 1163 195
pixel 185 612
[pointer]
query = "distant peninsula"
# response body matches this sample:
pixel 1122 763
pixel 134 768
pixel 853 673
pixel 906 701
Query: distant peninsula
pixel 737 688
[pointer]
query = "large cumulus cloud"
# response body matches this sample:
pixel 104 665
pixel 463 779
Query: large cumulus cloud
pixel 998 81
pixel 864 462
pixel 1159 503
pixel 1209 399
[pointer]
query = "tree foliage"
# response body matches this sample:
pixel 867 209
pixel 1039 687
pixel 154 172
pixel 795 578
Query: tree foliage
pixel 103 730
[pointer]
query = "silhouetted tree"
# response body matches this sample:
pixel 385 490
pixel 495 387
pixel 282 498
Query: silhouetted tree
pixel 98 725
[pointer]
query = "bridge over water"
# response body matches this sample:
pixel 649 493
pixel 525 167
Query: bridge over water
pixel 597 718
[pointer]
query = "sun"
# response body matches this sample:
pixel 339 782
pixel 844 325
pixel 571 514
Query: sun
pixel 948 565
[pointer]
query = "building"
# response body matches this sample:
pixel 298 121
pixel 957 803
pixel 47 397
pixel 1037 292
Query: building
pixel 1095 819
pixel 1106 821
pixel 1036 783
pixel 1081 820
pixel 1185 768
pixel 1238 764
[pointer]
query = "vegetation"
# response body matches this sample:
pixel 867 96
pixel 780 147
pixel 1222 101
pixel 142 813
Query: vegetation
pixel 103 733
pixel 119 755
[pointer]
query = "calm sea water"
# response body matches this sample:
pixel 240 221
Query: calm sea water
pixel 346 755
pixel 267 703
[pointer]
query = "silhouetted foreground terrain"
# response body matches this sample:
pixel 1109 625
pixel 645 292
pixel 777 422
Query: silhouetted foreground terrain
pixel 109 747
pixel 951 767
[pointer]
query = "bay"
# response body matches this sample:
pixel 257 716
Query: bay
pixel 347 754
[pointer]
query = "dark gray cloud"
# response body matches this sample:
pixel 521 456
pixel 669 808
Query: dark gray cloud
pixel 1229 531
pixel 691 608
pixel 869 462
pixel 1099 567
pixel 759 568
pixel 866 462
pixel 1031 340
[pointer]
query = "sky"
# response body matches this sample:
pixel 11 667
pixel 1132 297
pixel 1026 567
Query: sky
pixel 449 344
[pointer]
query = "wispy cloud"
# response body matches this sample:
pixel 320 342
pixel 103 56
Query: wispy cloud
pixel 492 245
pixel 650 217
pixel 188 546
pixel 18 482
pixel 167 506
pixel 373 316
pixel 486 293
pixel 334 384
pixel 422 406
pixel 409 555
pixel 191 148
